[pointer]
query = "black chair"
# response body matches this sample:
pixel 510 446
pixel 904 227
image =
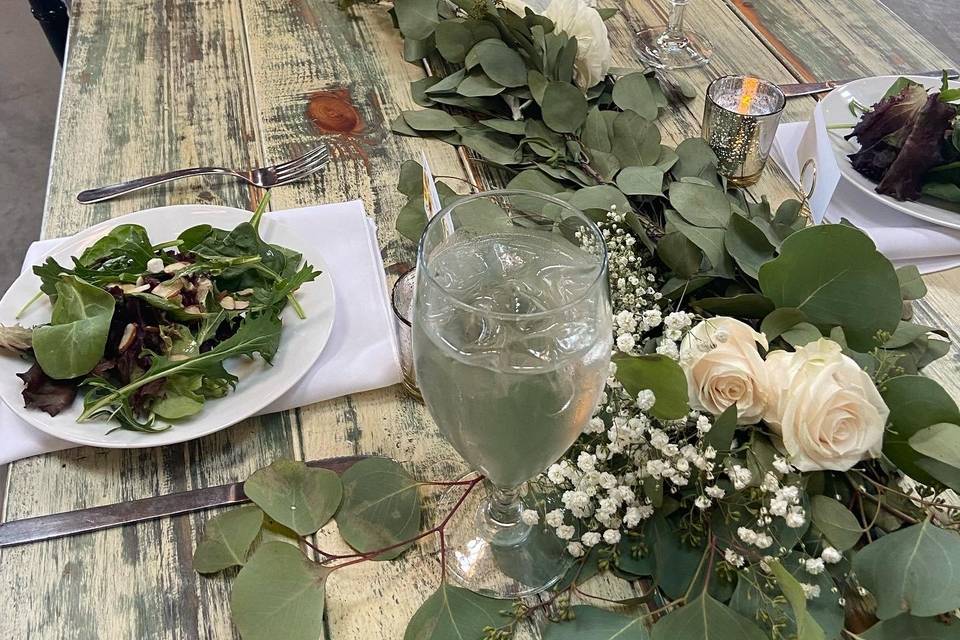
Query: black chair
pixel 53 18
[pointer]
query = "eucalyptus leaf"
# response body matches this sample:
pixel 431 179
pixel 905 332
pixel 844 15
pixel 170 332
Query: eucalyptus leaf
pixel 418 91
pixel 659 374
pixel 635 141
pixel 597 624
pixel 915 402
pixel 747 244
pixel 454 40
pixel 780 320
pixel 835 522
pixel 477 84
pixel 511 127
pixel 226 539
pixel 641 181
pixel 801 334
pixel 564 107
pixel 74 341
pixel 632 93
pixel 538 85
pixel 416 50
pixel 914 570
pixel 295 495
pixel 412 219
pixel 679 254
pixel 720 436
pixel 499 61
pixel 912 286
pixel 700 205
pixel 430 120
pixel 453 612
pixel 836 276
pixel 279 594
pixel 744 305
pixel 709 240
pixel 940 442
pixel 447 83
pixel 907 627
pixel 706 619
pixel 606 164
pixel 494 146
pixel 595 133
pixel 417 19
pixel 695 159
pixel 381 507
pixel 807 627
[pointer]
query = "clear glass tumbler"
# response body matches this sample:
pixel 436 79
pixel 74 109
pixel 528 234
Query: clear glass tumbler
pixel 512 343
pixel 671 46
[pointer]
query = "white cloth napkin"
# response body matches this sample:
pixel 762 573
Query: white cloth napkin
pixel 902 238
pixel 361 353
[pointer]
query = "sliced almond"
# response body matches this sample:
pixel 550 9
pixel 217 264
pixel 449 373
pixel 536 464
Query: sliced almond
pixel 240 305
pixel 243 293
pixel 132 288
pixel 175 267
pixel 129 335
pixel 169 288
pixel 139 280
pixel 178 357
pixel 228 303
pixel 194 309
pixel 204 287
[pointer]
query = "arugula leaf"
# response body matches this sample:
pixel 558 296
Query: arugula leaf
pixel 259 334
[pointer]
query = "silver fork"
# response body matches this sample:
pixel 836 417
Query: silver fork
pixel 264 177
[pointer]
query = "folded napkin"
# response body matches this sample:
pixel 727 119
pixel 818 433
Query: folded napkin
pixel 361 353
pixel 902 238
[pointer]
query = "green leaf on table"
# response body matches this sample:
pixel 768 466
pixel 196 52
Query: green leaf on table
pixel 838 525
pixel 632 93
pixel 595 133
pixel 912 286
pixel 807 627
pixel 836 276
pixel 295 495
pixel 410 180
pixel 499 61
pixel 477 84
pixel 279 594
pixel 381 507
pixel 744 305
pixel 641 181
pixel 418 91
pixel 915 402
pixel 415 50
pixel 907 627
pixel 412 219
pixel 453 612
pixel 667 158
pixel 700 205
pixel 679 254
pixel 511 127
pixel 430 120
pixel 695 159
pixel 706 619
pixel 597 624
pixel 494 146
pixel 914 570
pixel 226 539
pixel 454 40
pixel 710 241
pixel 74 341
pixel 659 374
pixel 446 84
pixel 635 141
pixel 564 107
pixel 724 427
pixel 417 19
pixel 747 244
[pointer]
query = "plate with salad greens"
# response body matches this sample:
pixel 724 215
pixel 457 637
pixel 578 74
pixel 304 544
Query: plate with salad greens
pixel 896 138
pixel 163 326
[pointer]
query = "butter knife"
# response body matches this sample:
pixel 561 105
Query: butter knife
pixel 811 88
pixel 70 523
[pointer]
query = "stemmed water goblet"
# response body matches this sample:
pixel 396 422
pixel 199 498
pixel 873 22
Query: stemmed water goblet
pixel 672 46
pixel 511 343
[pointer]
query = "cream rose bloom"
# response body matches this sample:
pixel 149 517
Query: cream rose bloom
pixel 723 366
pixel 579 20
pixel 825 407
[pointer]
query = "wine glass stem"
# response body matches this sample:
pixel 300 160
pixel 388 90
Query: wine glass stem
pixel 675 22
pixel 505 506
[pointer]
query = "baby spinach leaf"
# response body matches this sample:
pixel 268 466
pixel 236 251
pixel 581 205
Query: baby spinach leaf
pixel 73 343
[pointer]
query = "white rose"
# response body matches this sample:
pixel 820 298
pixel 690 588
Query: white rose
pixel 825 407
pixel 722 373
pixel 579 20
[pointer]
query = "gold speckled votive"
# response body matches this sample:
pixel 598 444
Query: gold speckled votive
pixel 740 119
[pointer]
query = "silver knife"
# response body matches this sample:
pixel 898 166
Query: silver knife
pixel 71 523
pixel 811 88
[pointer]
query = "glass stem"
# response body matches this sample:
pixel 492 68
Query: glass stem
pixel 505 505
pixel 675 22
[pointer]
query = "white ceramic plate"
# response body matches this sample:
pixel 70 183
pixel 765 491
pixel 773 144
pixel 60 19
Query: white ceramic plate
pixel 868 91
pixel 259 385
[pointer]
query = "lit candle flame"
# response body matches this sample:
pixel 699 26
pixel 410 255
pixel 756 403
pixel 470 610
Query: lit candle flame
pixel 747 94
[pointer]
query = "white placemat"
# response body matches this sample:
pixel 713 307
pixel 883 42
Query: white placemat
pixel 361 353
pixel 903 239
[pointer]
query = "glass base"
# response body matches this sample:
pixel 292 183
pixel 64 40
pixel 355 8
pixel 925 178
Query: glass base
pixel 491 552
pixel 667 50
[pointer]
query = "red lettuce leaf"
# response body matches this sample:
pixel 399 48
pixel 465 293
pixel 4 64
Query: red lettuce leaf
pixel 890 115
pixel 43 392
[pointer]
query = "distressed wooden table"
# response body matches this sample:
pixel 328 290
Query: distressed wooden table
pixel 152 85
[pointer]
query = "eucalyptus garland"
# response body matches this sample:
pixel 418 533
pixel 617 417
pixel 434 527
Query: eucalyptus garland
pixel 746 518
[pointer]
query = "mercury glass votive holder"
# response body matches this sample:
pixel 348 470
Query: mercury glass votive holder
pixel 402 298
pixel 740 119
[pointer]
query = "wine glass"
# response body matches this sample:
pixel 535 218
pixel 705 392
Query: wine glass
pixel 672 47
pixel 511 341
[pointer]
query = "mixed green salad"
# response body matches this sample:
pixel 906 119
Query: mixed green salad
pixel 142 330
pixel 910 142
